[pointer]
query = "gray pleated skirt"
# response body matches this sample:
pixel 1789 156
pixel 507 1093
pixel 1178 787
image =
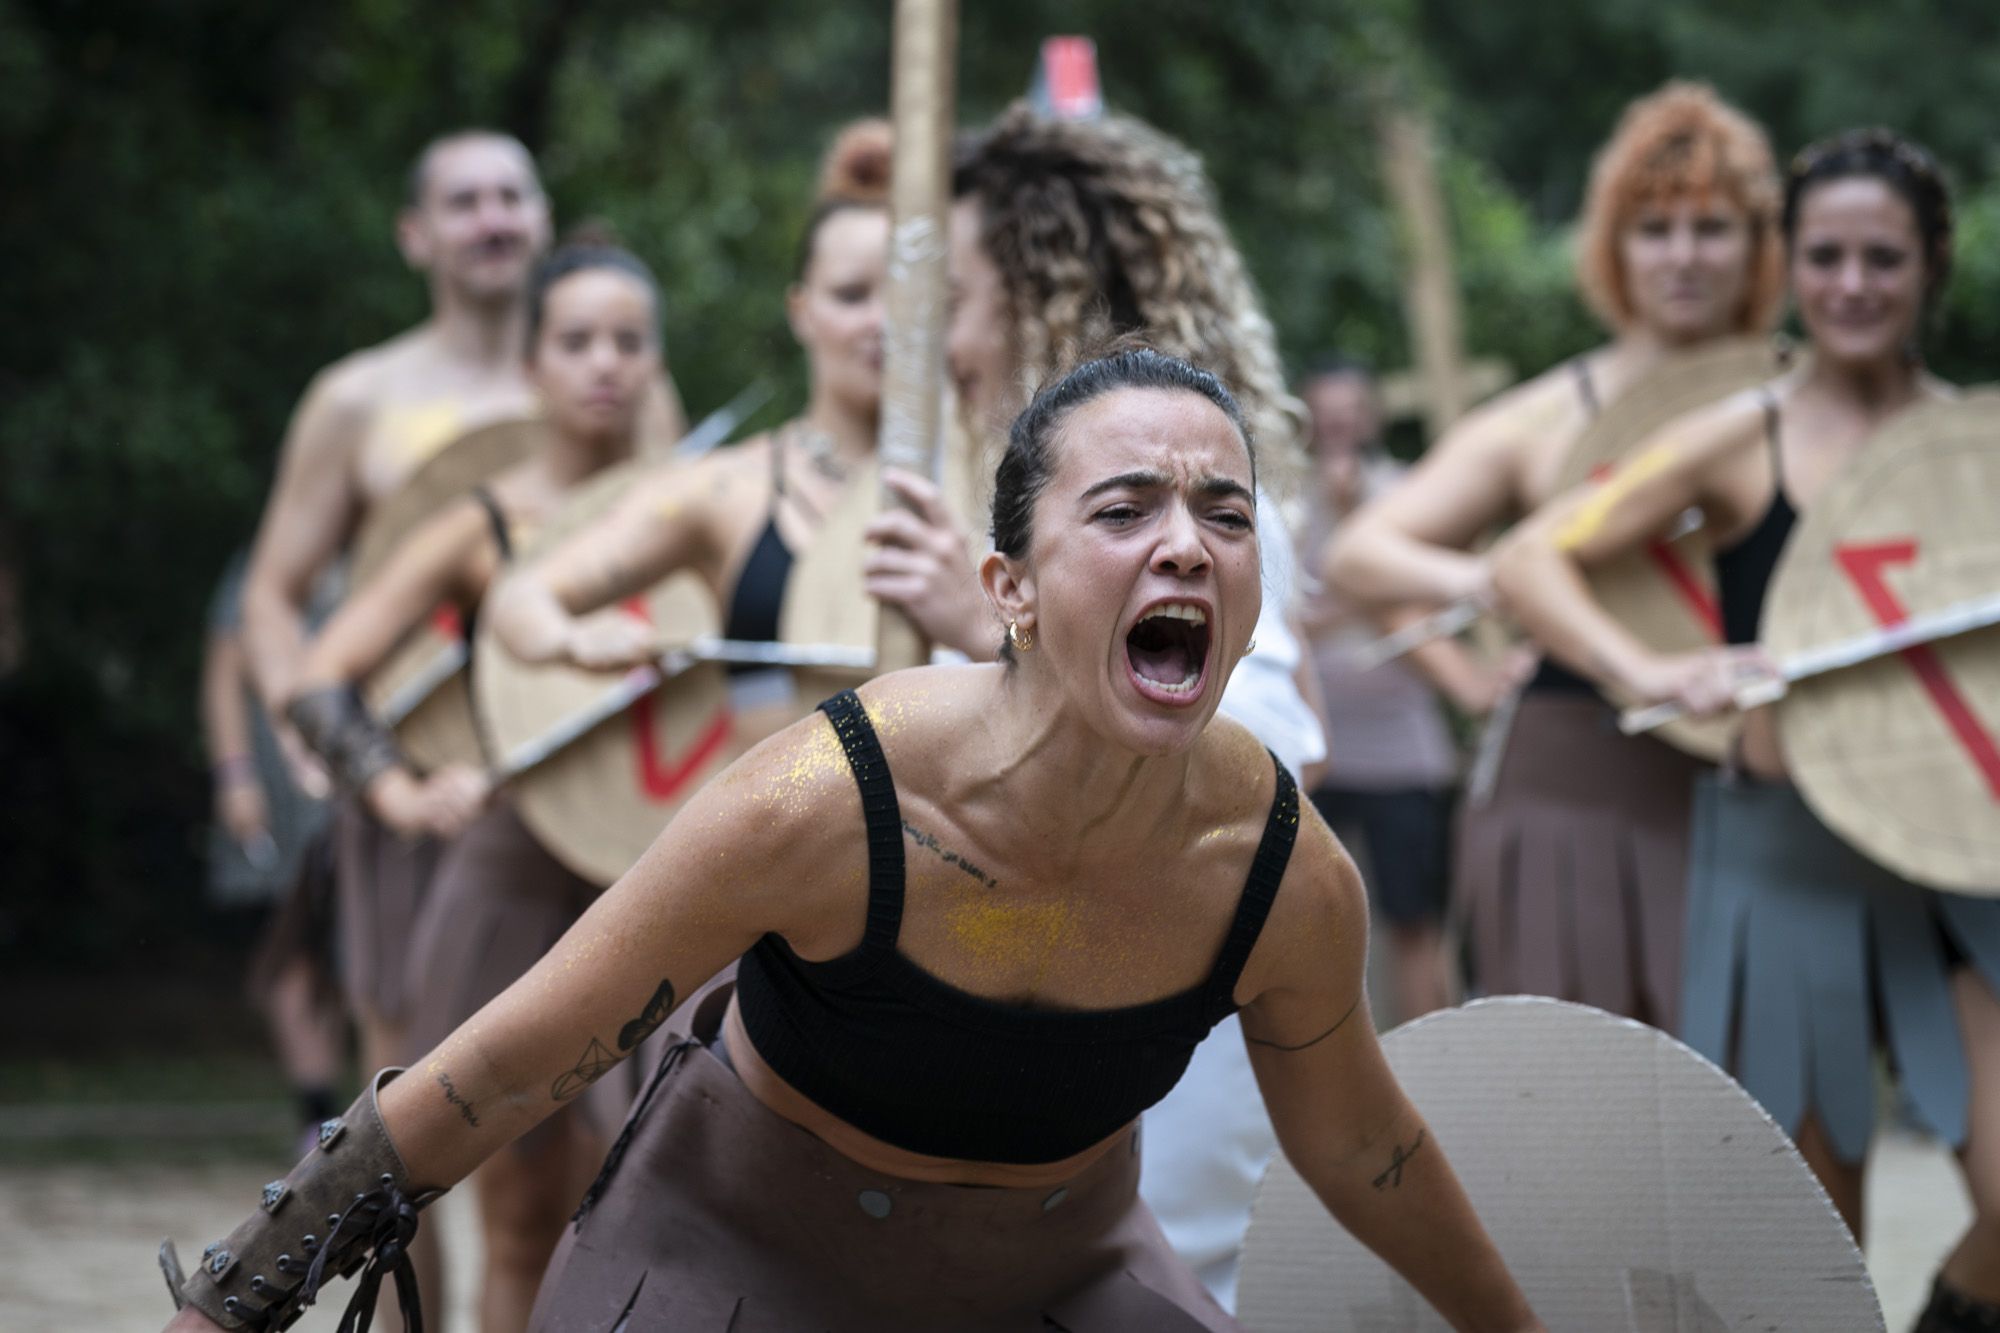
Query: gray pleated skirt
pixel 380 878
pixel 498 902
pixel 1801 952
pixel 719 1216
pixel 1571 879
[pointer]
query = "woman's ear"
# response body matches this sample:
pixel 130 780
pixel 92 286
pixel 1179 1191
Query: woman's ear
pixel 1010 587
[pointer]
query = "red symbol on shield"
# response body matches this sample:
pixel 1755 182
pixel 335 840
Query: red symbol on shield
pixel 1678 576
pixel 1864 567
pixel 664 777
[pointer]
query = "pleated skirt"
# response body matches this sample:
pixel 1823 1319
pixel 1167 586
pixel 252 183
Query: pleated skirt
pixel 498 902
pixel 1571 879
pixel 719 1216
pixel 380 879
pixel 1802 954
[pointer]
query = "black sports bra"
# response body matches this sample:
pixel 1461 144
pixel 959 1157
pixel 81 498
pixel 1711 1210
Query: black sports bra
pixel 920 1064
pixel 759 596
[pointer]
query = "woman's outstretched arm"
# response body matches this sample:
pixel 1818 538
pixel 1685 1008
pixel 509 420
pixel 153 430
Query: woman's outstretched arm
pixel 1341 1117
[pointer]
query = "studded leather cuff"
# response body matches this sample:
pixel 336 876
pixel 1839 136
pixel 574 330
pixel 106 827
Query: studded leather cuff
pixel 337 725
pixel 348 1206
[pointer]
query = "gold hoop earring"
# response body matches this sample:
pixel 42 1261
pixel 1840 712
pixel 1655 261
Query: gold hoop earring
pixel 1021 642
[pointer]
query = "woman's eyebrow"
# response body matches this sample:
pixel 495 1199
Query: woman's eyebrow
pixel 1147 479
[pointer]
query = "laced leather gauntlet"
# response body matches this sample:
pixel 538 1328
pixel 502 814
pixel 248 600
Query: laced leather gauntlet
pixel 338 727
pixel 348 1206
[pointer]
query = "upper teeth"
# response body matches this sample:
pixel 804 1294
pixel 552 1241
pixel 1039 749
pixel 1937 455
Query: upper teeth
pixel 1180 611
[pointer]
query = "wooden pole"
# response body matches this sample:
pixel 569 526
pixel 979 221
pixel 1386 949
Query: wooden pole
pixel 1430 285
pixel 922 108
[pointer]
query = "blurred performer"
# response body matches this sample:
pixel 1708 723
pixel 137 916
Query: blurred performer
pixel 1067 234
pixel 1572 873
pixel 475 221
pixel 1785 917
pixel 1389 780
pixel 739 516
pixel 499 900
pixel 268 854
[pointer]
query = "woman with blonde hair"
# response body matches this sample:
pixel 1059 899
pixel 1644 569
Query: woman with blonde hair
pixel 1571 874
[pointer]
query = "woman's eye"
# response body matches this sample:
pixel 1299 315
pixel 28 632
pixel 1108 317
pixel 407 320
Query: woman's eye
pixel 1653 228
pixel 1232 518
pixel 852 294
pixel 574 342
pixel 1118 514
pixel 1712 227
pixel 1886 258
pixel 1823 256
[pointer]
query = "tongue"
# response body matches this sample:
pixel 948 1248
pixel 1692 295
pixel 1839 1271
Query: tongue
pixel 1161 654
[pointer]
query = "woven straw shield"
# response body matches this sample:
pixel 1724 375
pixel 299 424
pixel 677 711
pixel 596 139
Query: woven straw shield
pixel 599 802
pixel 1901 755
pixel 1665 594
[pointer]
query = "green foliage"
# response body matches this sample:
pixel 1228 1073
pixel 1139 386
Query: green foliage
pixel 203 195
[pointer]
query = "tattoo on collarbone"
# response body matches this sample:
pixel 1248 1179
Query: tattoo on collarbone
pixel 454 1099
pixel 1338 1023
pixel 1392 1174
pixel 649 1019
pixel 945 854
pixel 592 1065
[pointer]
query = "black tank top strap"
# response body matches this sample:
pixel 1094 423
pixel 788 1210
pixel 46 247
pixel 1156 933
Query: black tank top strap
pixel 497 519
pixel 881 816
pixel 1586 387
pixel 1772 421
pixel 1267 871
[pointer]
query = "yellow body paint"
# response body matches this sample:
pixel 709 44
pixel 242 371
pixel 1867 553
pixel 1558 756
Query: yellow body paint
pixel 417 431
pixel 1591 516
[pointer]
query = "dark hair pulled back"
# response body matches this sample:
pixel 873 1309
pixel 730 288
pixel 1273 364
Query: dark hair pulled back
pixel 1901 164
pixel 590 246
pixel 1029 461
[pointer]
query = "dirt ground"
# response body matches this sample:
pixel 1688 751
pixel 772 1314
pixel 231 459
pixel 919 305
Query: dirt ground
pixel 80 1237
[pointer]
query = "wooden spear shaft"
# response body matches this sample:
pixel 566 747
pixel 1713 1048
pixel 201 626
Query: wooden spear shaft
pixel 922 107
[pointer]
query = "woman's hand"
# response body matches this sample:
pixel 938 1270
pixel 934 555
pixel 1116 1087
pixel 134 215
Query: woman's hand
pixel 239 803
pixel 918 562
pixel 190 1320
pixel 440 805
pixel 1704 682
pixel 611 641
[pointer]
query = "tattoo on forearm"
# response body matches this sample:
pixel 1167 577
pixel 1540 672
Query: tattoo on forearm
pixel 592 1065
pixel 463 1104
pixel 649 1019
pixel 1338 1023
pixel 949 857
pixel 1392 1175
pixel 598 1060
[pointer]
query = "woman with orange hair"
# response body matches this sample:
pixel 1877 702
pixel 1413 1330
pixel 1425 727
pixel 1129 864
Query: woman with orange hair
pixel 1571 873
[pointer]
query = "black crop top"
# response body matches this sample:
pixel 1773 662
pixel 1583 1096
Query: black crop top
pixel 1743 571
pixel 920 1064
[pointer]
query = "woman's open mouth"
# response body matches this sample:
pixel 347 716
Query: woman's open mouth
pixel 1167 653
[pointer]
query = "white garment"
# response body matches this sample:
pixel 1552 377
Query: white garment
pixel 1204 1148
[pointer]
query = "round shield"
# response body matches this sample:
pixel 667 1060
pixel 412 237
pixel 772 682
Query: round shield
pixel 428 705
pixel 597 801
pixel 1665 594
pixel 1629 1184
pixel 473 457
pixel 824 601
pixel 1900 755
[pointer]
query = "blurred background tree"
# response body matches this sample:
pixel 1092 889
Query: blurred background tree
pixel 198 215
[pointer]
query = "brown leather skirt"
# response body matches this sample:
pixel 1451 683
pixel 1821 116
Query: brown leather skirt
pixel 1572 878
pixel 715 1215
pixel 380 880
pixel 498 902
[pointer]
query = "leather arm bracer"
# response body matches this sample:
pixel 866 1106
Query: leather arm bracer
pixel 348 1206
pixel 337 725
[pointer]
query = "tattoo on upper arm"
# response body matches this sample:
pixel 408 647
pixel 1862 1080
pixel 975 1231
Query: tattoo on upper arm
pixel 1392 1175
pixel 949 857
pixel 598 1059
pixel 1338 1023
pixel 649 1019
pixel 453 1098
